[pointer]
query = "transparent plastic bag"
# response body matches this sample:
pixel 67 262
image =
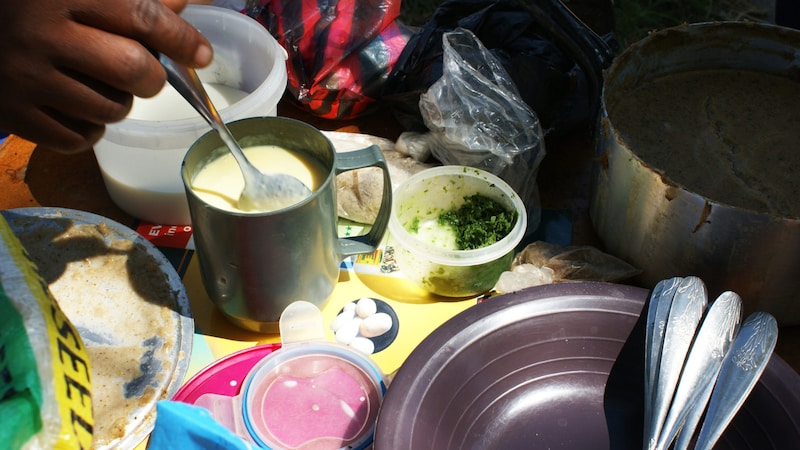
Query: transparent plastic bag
pixel 476 118
pixel 553 57
pixel 544 263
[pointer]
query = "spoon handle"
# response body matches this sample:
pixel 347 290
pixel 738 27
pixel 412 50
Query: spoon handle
pixel 711 343
pixel 657 312
pixel 190 87
pixel 684 316
pixel 685 435
pixel 741 369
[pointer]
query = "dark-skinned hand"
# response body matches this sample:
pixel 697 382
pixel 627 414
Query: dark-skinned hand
pixel 69 67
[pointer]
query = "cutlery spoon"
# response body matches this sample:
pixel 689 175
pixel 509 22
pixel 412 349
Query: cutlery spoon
pixel 711 343
pixel 683 441
pixel 657 313
pixel 741 370
pixel 687 308
pixel 262 192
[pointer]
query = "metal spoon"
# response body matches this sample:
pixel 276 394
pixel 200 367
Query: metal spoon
pixel 657 313
pixel 684 439
pixel 741 370
pixel 687 308
pixel 262 192
pixel 711 343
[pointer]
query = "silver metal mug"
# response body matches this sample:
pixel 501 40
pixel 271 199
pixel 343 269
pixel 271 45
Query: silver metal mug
pixel 253 265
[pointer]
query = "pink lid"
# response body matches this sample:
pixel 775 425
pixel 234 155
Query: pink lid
pixel 313 395
pixel 224 376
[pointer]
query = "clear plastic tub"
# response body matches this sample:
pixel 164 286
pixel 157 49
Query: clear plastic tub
pixel 451 273
pixel 141 159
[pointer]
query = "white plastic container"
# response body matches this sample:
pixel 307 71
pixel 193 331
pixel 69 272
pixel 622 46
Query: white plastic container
pixel 451 273
pixel 141 159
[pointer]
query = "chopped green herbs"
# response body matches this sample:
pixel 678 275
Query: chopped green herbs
pixel 479 222
pixel 414 228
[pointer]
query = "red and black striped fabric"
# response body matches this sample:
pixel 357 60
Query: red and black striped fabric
pixel 340 51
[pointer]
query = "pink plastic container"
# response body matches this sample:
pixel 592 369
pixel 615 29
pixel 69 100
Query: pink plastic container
pixel 308 394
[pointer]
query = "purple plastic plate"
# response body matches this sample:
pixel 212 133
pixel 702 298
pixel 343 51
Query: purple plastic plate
pixel 556 366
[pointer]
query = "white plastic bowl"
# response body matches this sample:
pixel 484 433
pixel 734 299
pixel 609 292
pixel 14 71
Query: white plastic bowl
pixel 451 273
pixel 141 159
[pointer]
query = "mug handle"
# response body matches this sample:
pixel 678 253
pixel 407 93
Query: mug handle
pixel 366 157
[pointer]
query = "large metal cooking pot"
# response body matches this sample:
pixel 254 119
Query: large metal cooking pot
pixel 666 230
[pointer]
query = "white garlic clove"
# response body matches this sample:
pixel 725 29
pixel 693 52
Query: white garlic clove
pixel 375 325
pixel 366 307
pixel 363 345
pixel 348 331
pixel 343 317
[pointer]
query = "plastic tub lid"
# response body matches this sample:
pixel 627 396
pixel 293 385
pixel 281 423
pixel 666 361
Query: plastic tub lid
pixel 313 393
pixel 224 376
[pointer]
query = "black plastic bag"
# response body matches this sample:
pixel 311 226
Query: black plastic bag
pixel 555 60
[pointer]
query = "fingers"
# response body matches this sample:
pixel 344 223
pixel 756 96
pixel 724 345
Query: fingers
pixel 116 61
pixel 64 111
pixel 155 24
pixel 120 37
pixel 88 99
pixel 54 131
pixel 74 93
pixel 62 115
pixel 69 67
pixel 70 134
